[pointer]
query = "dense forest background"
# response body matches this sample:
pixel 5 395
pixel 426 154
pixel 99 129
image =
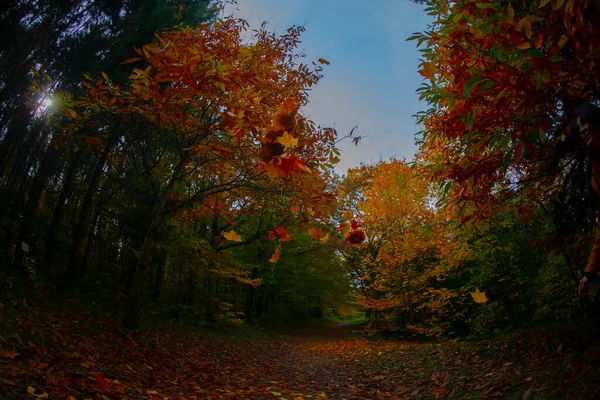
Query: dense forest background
pixel 154 158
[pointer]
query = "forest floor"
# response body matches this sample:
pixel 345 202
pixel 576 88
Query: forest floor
pixel 50 351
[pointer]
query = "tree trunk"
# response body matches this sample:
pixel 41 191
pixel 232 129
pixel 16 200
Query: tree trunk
pixel 80 229
pixel 39 182
pixel 52 233
pixel 131 318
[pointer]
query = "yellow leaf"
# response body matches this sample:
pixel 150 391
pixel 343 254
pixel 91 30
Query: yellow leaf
pixel 231 235
pixel 275 257
pixel 322 395
pixel 7 382
pixel 543 3
pixel 106 78
pixel 310 211
pixel 323 61
pixel 346 231
pixel 347 215
pixel 324 239
pixel 479 297
pixel 511 11
pixel 429 70
pixel 31 391
pixel 287 140
pixel 89 78
pixel 152 48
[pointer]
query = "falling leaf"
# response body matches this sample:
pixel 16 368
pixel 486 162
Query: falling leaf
pixel 348 215
pixel 315 233
pixel 280 233
pixel 323 61
pixel 287 140
pixel 131 60
pixel 31 391
pixel 231 235
pixel 275 257
pixel 429 70
pixel 479 297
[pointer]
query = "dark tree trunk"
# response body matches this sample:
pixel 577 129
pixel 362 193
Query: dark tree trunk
pixel 131 318
pixel 44 172
pixel 52 233
pixel 75 255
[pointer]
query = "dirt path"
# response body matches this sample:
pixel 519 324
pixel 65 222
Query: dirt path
pixel 60 355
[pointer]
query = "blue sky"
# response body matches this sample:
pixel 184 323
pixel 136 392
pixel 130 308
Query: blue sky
pixel 372 78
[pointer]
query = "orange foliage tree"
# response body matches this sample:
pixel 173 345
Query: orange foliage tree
pixel 503 79
pixel 226 111
pixel 409 249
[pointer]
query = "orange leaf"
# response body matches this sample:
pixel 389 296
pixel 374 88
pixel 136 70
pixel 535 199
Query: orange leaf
pixel 275 257
pixel 295 208
pixel 323 61
pixel 231 235
pixel 280 233
pixel 131 60
pixel 479 297
pixel 315 233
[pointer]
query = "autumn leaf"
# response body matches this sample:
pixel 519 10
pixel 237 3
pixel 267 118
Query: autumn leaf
pixel 295 208
pixel 131 60
pixel 315 233
pixel 479 297
pixel 280 233
pixel 231 235
pixel 324 239
pixel 356 237
pixel 429 70
pixel 323 61
pixel 287 140
pixel 275 257
pixel 31 391
pixel 347 215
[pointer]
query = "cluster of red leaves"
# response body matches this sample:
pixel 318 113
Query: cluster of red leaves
pixel 352 232
pixel 76 355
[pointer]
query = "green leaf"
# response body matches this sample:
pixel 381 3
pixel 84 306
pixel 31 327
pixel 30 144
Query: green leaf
pixel 487 85
pixel 546 75
pixel 467 89
pixel 536 53
pixel 470 120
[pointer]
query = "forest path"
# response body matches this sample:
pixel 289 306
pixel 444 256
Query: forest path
pixel 65 354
